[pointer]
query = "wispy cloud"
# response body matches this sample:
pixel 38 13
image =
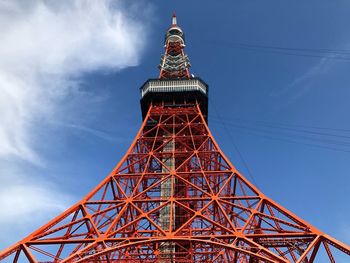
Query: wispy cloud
pixel 45 47
pixel 303 83
pixel 108 136
pixel 27 201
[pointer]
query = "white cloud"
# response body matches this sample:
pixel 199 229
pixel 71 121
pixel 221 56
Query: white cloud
pixel 303 79
pixel 24 198
pixel 26 203
pixel 45 46
pixel 50 200
pixel 303 83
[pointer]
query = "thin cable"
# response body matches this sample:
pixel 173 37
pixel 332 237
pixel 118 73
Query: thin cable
pixel 296 142
pixel 340 54
pixel 236 147
pixel 289 133
pixel 293 54
pixel 257 133
pixel 291 125
pixel 313 50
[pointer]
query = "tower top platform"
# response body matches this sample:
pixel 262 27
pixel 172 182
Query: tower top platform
pixel 174 92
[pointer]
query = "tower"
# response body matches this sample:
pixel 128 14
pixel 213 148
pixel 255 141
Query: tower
pixel 174 196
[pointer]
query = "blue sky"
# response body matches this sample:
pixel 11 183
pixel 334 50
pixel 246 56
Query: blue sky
pixel 71 74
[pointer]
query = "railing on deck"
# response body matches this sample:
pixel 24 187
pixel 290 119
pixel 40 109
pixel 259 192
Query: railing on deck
pixel 183 85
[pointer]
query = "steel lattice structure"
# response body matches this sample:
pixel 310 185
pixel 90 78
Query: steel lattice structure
pixel 175 197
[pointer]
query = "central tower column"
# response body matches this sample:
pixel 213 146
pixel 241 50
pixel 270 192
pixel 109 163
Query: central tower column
pixel 174 89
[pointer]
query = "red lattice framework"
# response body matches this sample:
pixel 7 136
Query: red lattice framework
pixel 175 197
pixel 174 51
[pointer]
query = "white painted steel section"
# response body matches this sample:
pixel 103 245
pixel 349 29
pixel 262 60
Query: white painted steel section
pixel 173 86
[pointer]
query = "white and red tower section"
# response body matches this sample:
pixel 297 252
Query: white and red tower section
pixel 174 63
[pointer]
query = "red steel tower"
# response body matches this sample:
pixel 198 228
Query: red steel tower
pixel 175 197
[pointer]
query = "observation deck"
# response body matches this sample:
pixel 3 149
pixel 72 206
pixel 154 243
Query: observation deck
pixel 175 93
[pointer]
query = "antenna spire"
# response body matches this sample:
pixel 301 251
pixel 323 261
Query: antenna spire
pixel 174 63
pixel 174 22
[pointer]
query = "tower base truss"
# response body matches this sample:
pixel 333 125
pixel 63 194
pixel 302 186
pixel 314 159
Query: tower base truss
pixel 175 197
